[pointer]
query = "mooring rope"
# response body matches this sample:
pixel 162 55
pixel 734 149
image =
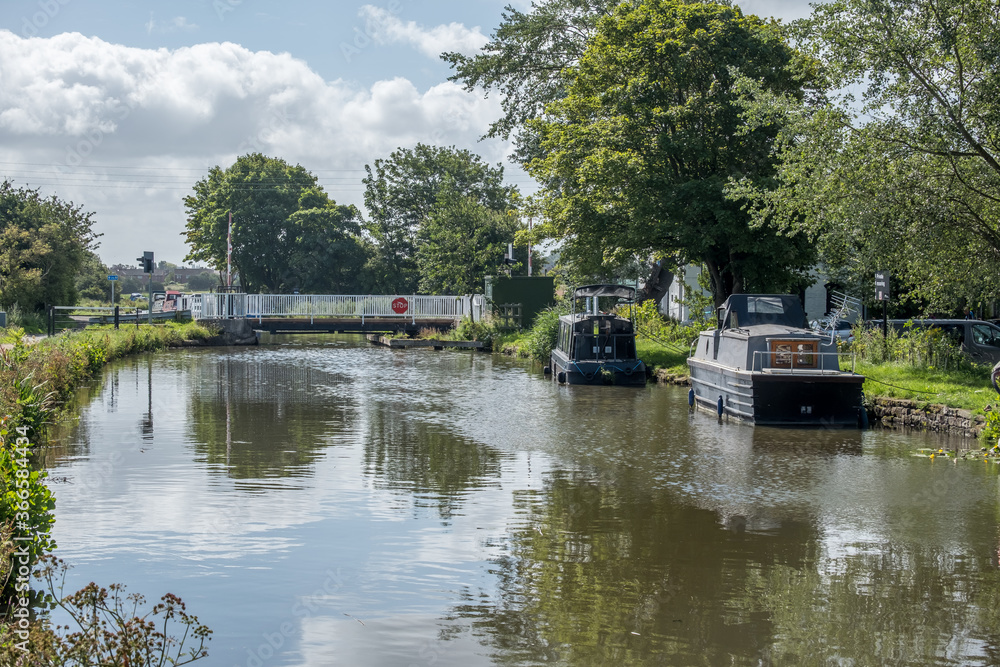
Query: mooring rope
pixel 913 391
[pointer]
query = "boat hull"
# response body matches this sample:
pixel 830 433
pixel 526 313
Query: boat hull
pixel 832 400
pixel 628 373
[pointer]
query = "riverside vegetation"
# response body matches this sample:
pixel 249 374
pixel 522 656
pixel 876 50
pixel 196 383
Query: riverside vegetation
pixel 111 627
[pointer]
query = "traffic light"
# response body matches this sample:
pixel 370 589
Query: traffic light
pixel 146 261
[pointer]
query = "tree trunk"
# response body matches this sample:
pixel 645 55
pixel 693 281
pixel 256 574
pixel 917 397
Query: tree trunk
pixel 719 292
pixel 657 284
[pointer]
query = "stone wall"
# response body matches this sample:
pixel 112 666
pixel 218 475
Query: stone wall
pixel 900 412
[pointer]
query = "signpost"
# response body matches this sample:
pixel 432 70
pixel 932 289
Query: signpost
pixel 112 280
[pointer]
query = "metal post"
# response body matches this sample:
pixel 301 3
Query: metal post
pixel 116 316
pixel 885 329
pixel 149 309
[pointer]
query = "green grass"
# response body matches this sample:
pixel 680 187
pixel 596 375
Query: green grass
pixel 657 356
pixel 968 388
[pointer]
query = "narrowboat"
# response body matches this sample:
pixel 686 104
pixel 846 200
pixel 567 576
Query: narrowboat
pixel 762 365
pixel 595 346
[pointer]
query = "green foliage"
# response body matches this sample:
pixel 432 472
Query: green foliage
pixel 31 322
pixel 202 282
pixel 34 381
pixel 526 62
pixel 652 325
pixel 541 338
pixel 486 332
pixel 991 431
pixel 462 241
pixel 413 196
pixel 657 356
pixel 902 173
pixel 108 627
pixel 917 347
pixel 43 245
pixel 25 501
pixel 287 233
pixel 92 280
pixel 636 157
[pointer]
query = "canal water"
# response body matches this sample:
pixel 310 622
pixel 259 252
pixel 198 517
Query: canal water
pixel 316 502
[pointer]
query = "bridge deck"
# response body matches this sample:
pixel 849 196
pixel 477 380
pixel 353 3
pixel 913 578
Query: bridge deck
pixel 347 324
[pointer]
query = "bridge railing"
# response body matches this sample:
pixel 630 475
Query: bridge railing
pixel 260 306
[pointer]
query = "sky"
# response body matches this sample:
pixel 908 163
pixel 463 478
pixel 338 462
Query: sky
pixel 121 107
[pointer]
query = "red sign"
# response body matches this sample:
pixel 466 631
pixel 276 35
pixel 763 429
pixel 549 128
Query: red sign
pixel 400 305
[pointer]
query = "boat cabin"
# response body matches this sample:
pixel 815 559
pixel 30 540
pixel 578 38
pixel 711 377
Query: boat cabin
pixel 585 337
pixel 765 332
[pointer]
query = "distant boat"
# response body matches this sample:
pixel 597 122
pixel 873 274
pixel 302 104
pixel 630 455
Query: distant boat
pixel 597 347
pixel 763 366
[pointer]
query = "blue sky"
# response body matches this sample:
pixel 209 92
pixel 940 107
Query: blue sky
pixel 121 107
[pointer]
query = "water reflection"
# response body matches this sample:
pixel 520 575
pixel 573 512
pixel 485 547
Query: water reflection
pixel 373 507
pixel 268 414
pixel 426 460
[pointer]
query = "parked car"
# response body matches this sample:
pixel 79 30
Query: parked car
pixel 135 296
pixel 842 329
pixel 978 339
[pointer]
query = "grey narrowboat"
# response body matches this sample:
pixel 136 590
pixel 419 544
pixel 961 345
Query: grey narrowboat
pixel 762 365
pixel 598 347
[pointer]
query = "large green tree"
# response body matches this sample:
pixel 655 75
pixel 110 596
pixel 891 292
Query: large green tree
pixel 401 193
pixel 902 172
pixel 636 157
pixel 43 245
pixel 287 233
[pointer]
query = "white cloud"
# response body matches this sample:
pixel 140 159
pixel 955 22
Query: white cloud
pixel 386 28
pixel 126 132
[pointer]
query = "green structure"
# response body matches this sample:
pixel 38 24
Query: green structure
pixel 517 300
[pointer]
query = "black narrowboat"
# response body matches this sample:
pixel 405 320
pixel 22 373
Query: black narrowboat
pixel 598 347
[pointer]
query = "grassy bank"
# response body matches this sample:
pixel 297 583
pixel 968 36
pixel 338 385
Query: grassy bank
pixel 36 380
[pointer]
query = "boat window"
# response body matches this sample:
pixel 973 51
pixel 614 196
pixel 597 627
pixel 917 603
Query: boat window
pixel 764 304
pixel 793 354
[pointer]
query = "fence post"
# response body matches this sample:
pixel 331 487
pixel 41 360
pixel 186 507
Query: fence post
pixel 116 318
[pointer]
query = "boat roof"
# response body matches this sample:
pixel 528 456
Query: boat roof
pixel 744 310
pixel 620 291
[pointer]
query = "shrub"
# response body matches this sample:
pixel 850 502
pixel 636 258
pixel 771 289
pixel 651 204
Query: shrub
pixel 917 347
pixel 544 333
pixel 111 628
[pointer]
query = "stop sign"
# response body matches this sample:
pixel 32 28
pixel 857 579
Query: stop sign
pixel 400 305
